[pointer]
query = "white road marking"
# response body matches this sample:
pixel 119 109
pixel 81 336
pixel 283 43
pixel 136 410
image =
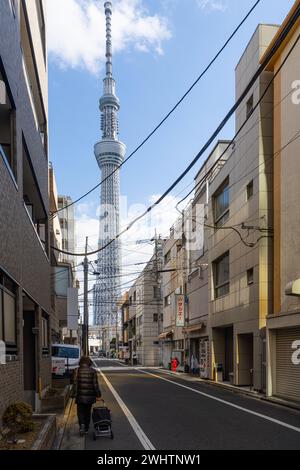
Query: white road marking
pixel 125 368
pixel 146 443
pixel 224 402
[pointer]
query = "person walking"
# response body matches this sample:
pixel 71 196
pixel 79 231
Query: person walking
pixel 87 392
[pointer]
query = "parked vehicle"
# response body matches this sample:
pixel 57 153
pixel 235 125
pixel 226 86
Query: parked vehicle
pixel 70 353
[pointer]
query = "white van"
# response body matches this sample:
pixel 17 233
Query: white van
pixel 70 353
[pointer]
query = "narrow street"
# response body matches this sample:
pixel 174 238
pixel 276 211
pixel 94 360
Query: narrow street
pixel 165 410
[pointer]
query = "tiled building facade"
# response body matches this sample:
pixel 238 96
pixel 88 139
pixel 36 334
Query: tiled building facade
pixel 25 308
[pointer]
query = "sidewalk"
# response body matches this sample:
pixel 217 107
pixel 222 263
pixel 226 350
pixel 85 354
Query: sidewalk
pixel 68 430
pixel 224 385
pixel 68 436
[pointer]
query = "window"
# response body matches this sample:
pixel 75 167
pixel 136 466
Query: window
pixel 134 296
pixel 249 106
pixel 155 317
pixel 221 276
pixel 66 352
pixel 167 301
pixel 221 204
pixel 179 246
pixel 7 125
pixel 250 276
pixel 168 257
pixel 45 334
pixel 30 69
pixel 250 189
pixel 33 200
pixel 8 313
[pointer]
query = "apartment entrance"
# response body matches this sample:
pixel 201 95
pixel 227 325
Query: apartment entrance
pixel 223 348
pixel 195 353
pixel 245 360
pixel 29 351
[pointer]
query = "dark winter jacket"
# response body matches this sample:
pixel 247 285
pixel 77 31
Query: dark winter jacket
pixel 87 387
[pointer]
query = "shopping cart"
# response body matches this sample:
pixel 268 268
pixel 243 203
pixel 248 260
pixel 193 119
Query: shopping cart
pixel 102 422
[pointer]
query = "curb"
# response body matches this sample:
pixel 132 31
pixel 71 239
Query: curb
pixel 61 432
pixel 46 439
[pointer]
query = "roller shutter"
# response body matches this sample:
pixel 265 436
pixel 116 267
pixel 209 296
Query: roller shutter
pixel 287 373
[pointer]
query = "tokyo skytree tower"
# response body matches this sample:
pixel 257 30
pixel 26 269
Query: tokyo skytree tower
pixel 110 153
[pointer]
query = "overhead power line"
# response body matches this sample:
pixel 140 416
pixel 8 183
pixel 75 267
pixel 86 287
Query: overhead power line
pixel 160 124
pixel 257 74
pixel 236 143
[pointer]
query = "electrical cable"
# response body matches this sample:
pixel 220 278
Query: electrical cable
pixel 257 74
pixel 168 114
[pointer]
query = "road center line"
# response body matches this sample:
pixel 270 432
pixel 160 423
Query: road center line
pixel 146 443
pixel 224 402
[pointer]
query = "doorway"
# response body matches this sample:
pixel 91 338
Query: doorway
pixel 223 350
pixel 245 360
pixel 29 356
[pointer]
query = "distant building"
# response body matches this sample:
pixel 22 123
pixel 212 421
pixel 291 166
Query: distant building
pixel 124 315
pixel 174 285
pixel 143 314
pixel 65 327
pixel 68 228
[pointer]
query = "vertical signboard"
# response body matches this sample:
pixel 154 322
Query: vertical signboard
pixel 180 300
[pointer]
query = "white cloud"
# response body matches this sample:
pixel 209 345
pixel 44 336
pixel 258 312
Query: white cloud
pixel 160 220
pixel 212 5
pixel 76 31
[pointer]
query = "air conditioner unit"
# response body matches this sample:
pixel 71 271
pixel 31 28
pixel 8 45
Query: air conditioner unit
pixel 293 288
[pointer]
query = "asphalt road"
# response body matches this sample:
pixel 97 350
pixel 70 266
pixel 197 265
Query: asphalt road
pixel 164 412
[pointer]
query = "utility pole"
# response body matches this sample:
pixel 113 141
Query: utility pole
pixel 117 333
pixel 86 307
pixel 158 287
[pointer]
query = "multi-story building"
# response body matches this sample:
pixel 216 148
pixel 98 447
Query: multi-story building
pixel 283 325
pixel 174 289
pixel 143 314
pixel 148 315
pixel 197 328
pixel 67 222
pixel 25 301
pixel 64 324
pixel 132 324
pixel 56 242
pixel 229 288
pixel 123 307
pixel 240 215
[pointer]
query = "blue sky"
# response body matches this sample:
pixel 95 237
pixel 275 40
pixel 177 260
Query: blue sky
pixel 158 55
